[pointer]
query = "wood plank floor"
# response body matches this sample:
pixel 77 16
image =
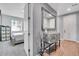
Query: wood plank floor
pixel 67 48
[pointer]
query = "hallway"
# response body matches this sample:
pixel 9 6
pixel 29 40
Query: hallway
pixel 67 48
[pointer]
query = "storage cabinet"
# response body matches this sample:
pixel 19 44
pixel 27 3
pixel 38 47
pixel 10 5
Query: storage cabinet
pixel 5 33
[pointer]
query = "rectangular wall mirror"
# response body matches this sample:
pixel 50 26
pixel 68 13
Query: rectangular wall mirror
pixel 48 20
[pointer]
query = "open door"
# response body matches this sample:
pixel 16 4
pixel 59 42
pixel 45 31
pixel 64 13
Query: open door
pixel 26 38
pixel 28 29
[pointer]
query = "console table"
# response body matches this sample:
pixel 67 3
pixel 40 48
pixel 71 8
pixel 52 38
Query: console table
pixel 52 39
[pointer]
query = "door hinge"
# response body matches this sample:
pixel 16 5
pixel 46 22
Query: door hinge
pixel 28 18
pixel 29 51
pixel 28 33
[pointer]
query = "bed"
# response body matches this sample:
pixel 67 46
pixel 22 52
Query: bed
pixel 17 38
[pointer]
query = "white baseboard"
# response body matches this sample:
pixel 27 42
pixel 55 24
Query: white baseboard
pixel 72 40
pixel 38 55
pixel 77 41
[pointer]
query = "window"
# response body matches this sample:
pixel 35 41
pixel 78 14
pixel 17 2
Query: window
pixel 16 25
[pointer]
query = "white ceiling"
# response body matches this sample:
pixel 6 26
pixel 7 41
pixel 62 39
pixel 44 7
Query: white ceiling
pixel 61 8
pixel 17 9
pixel 13 9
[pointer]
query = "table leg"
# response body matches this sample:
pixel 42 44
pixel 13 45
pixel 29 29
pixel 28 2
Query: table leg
pixel 49 50
pixel 44 45
pixel 59 43
pixel 55 46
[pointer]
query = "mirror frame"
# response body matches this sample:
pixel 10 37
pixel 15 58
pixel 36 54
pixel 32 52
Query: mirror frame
pixel 43 9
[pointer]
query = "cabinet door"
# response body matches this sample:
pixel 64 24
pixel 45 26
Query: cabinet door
pixel 7 33
pixel 3 33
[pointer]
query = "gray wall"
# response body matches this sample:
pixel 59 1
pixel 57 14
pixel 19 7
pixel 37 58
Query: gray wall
pixel 37 28
pixel 0 17
pixel 37 14
pixel 60 25
pixel 78 26
pixel 6 19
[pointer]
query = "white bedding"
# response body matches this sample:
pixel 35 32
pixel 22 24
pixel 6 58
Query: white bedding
pixel 18 36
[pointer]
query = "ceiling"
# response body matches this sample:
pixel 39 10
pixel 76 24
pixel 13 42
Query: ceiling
pixel 17 9
pixel 65 8
pixel 13 9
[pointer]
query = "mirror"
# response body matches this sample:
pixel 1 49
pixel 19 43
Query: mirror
pixel 48 20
